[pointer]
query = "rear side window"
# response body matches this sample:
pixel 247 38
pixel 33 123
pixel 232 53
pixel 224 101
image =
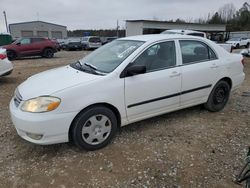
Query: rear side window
pixel 197 34
pixel 34 40
pixel 196 51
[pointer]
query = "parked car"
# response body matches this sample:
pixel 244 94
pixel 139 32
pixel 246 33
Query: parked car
pixel 125 81
pixel 108 40
pixel 227 47
pixel 6 66
pixel 73 44
pixel 35 46
pixel 185 32
pixel 245 52
pixel 91 42
pixel 238 42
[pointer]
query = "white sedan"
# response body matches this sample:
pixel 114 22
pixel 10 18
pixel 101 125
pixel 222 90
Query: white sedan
pixel 125 81
pixel 6 66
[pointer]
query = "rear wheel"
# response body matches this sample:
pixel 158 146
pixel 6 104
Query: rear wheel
pixel 247 46
pixel 218 97
pixel 237 46
pixel 48 53
pixel 94 128
pixel 11 55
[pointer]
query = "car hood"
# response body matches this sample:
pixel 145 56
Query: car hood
pixel 51 81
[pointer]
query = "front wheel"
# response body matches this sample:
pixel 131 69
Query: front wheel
pixel 94 128
pixel 48 53
pixel 219 96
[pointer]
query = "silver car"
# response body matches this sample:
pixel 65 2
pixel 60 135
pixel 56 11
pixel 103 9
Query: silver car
pixel 91 42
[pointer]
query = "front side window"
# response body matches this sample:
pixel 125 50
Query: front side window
pixel 157 57
pixel 35 40
pixel 25 41
pixel 195 51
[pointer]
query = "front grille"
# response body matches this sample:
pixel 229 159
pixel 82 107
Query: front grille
pixel 18 98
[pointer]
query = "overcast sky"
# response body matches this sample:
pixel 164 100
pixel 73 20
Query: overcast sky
pixel 95 14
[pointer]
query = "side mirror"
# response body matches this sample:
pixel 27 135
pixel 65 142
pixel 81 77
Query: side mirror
pixel 18 44
pixel 135 69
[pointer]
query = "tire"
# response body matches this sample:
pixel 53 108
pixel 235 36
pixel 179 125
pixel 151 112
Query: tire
pixel 94 128
pixel 248 183
pixel 218 97
pixel 237 46
pixel 11 55
pixel 48 53
pixel 247 46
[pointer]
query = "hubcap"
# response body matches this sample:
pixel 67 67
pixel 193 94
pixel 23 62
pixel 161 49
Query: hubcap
pixel 96 129
pixel 220 95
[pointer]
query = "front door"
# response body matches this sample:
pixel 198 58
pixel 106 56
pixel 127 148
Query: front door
pixel 158 90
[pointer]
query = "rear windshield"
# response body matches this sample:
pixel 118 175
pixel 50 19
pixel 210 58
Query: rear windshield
pixel 94 39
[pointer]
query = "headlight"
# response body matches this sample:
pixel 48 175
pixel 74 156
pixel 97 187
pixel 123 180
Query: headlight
pixel 41 104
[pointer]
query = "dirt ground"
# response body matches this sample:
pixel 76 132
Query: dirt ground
pixel 187 148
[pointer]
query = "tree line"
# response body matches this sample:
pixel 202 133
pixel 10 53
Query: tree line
pixel 236 20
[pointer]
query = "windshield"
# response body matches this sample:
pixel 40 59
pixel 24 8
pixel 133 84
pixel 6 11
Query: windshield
pixel 234 39
pixel 170 32
pixel 110 56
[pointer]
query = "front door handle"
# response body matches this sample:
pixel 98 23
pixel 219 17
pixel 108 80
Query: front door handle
pixel 175 74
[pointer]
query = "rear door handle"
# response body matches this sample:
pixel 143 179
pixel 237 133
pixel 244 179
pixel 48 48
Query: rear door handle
pixel 214 66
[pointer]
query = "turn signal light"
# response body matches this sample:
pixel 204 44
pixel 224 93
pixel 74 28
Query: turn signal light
pixel 3 56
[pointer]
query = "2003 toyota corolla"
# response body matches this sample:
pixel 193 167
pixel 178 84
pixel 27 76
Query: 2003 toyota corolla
pixel 128 80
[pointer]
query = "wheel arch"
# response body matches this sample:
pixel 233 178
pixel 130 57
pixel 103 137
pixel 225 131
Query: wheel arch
pixel 47 47
pixel 107 105
pixel 228 80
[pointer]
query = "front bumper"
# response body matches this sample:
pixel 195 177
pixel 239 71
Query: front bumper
pixel 53 127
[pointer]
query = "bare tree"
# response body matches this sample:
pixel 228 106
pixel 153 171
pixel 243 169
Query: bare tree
pixel 227 12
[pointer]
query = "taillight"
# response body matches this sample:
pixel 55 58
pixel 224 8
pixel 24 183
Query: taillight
pixel 3 56
pixel 243 61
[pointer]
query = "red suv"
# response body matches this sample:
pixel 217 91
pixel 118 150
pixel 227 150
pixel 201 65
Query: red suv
pixel 35 46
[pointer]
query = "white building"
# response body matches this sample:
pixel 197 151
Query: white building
pixel 38 28
pixel 140 27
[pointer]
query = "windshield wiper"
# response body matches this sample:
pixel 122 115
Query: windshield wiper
pixel 91 66
pixel 94 68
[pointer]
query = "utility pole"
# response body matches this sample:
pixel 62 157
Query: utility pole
pixel 117 29
pixel 6 23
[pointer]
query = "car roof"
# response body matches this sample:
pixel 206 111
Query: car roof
pixel 157 37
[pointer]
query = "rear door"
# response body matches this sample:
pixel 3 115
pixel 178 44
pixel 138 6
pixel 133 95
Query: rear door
pixel 156 91
pixel 200 68
pixel 37 45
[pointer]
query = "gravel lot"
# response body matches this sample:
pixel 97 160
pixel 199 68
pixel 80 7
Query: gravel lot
pixel 188 148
